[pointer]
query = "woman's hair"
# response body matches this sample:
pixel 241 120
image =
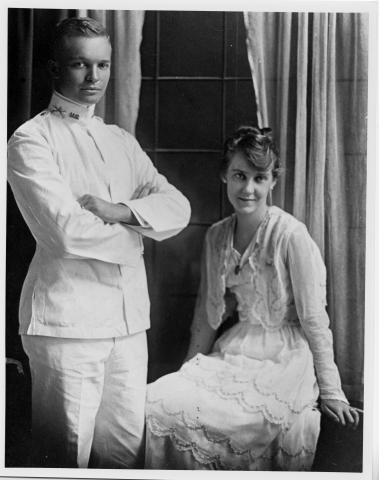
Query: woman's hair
pixel 76 27
pixel 257 145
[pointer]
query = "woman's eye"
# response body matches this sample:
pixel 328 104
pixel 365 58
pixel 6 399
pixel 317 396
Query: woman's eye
pixel 239 176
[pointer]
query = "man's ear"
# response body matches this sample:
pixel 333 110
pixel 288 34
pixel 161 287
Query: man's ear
pixel 53 68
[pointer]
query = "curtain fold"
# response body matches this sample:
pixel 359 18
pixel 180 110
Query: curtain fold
pixel 300 168
pixel 310 75
pixel 121 102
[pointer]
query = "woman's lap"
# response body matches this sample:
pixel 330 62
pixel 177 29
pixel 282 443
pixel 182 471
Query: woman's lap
pixel 212 430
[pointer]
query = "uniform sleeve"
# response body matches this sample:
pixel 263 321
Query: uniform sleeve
pixel 161 214
pixel 308 277
pixel 53 215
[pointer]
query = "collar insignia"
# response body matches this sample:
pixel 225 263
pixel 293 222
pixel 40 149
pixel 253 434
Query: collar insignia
pixel 55 108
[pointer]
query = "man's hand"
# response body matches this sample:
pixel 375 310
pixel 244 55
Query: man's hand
pixel 115 212
pixel 144 190
pixel 107 211
pixel 340 412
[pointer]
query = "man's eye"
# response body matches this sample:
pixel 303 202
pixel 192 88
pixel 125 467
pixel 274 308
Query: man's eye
pixel 104 66
pixel 78 65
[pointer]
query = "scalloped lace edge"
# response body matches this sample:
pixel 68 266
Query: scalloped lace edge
pixel 239 396
pixel 202 457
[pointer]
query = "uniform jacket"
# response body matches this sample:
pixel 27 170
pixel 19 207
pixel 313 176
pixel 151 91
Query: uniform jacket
pixel 87 278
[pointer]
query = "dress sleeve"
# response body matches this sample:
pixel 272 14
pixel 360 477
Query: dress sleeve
pixel 54 217
pixel 308 277
pixel 163 213
pixel 203 327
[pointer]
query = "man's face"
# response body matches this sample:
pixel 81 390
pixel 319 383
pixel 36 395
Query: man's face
pixel 82 68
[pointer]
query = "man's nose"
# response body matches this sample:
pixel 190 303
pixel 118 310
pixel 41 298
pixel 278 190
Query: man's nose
pixel 92 74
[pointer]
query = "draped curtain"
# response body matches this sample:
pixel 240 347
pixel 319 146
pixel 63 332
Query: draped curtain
pixel 28 81
pixel 121 101
pixel 310 74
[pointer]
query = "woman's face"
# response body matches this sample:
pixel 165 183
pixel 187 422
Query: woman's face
pixel 247 188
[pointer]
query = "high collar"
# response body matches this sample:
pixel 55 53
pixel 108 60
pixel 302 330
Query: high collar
pixel 67 108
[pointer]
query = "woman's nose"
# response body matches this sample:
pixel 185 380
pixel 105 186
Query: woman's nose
pixel 249 185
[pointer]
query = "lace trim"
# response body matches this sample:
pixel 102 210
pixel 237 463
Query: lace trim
pixel 195 425
pixel 200 455
pixel 277 306
pixel 269 303
pixel 240 396
pixel 217 439
pixel 203 457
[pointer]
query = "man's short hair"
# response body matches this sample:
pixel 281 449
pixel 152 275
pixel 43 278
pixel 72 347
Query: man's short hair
pixel 76 27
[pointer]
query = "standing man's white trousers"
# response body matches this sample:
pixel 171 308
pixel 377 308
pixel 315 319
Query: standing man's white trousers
pixel 88 401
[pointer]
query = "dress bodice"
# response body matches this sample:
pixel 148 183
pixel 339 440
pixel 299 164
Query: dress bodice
pixel 243 278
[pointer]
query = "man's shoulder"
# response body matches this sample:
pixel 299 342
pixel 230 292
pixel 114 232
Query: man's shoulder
pixel 34 124
pixel 116 130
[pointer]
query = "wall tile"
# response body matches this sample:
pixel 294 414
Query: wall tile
pixel 145 127
pixel 191 43
pixel 241 107
pixel 176 265
pixel 196 175
pixel 190 114
pixel 148 45
pixel 237 64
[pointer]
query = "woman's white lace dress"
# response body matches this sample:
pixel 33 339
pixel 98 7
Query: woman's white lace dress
pixel 250 404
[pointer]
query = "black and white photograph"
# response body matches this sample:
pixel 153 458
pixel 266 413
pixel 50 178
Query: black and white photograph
pixel 188 240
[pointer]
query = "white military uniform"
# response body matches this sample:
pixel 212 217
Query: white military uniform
pixel 84 307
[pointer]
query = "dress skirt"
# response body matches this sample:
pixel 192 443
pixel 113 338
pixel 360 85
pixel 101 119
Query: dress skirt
pixel 249 405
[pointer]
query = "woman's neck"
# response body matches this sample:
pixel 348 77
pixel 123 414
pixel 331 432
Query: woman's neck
pixel 246 227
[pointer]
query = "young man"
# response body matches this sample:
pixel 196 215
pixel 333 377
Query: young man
pixel 87 192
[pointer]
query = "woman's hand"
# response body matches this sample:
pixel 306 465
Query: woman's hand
pixel 107 211
pixel 340 412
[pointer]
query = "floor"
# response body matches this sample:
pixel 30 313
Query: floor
pixel 339 449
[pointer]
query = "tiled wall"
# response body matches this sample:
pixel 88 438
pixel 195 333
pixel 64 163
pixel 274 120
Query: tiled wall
pixel 196 89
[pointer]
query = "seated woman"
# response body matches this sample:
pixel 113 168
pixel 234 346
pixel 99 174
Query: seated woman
pixel 248 400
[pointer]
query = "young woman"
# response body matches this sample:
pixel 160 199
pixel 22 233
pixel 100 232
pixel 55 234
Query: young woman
pixel 248 399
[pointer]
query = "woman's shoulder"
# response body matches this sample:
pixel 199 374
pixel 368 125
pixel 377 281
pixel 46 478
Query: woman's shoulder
pixel 220 228
pixel 284 222
pixel 222 224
